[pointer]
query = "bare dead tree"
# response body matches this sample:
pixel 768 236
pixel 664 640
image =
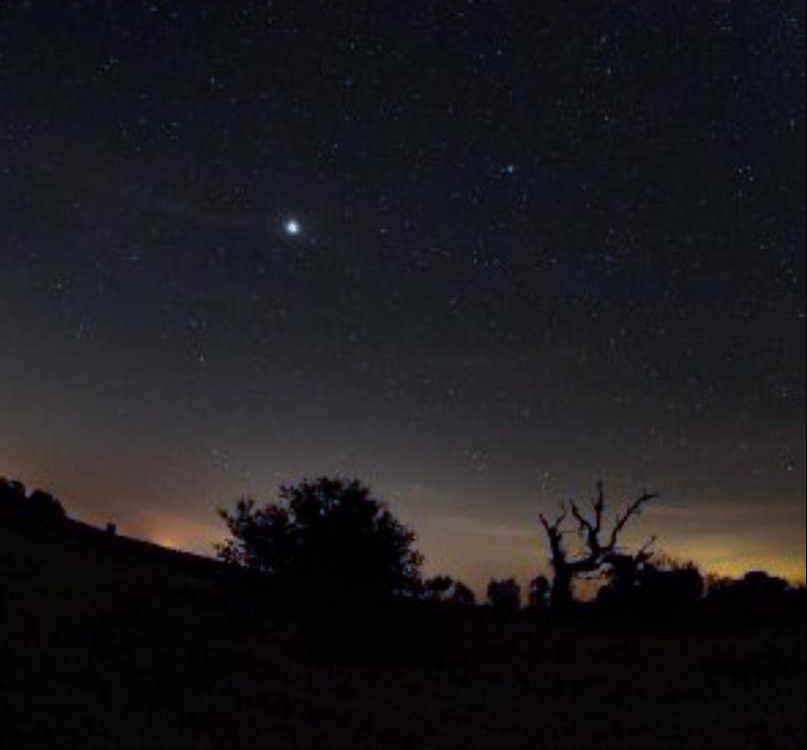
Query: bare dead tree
pixel 597 552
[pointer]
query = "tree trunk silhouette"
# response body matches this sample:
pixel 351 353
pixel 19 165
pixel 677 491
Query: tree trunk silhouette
pixel 596 554
pixel 561 596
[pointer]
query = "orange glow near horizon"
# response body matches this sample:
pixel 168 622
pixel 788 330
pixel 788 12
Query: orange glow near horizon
pixel 478 261
pixel 719 541
pixel 178 532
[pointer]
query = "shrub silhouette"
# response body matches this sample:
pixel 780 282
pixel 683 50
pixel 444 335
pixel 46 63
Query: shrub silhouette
pixel 39 505
pixel 462 596
pixel 325 541
pixel 445 590
pixel 675 587
pixel 437 588
pixel 539 593
pixel 757 597
pixel 504 596
pixel 12 494
pixel 45 507
pixel 642 587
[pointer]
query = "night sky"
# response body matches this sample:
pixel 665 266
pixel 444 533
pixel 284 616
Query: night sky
pixel 479 254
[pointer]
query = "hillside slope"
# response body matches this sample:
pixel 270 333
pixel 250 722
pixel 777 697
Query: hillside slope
pixel 117 643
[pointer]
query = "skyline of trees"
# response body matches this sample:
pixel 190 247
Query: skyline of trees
pixel 323 534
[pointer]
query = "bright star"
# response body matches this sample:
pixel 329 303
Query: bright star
pixel 292 227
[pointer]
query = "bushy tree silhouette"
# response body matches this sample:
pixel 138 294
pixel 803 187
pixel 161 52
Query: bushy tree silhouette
pixel 39 505
pixel 647 587
pixel 596 552
pixel 436 589
pixel 504 596
pixel 757 597
pixel 326 540
pixel 445 590
pixel 539 593
pixel 12 493
pixel 45 507
pixel 462 596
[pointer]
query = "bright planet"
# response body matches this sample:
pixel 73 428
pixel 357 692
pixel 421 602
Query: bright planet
pixel 292 227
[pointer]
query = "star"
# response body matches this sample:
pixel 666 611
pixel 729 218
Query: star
pixel 292 227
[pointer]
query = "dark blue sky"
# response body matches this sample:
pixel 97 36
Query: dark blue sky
pixel 539 245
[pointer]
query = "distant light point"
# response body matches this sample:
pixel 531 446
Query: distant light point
pixel 292 227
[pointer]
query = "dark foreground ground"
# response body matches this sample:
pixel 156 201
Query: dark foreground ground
pixel 109 643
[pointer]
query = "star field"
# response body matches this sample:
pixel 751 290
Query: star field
pixel 478 253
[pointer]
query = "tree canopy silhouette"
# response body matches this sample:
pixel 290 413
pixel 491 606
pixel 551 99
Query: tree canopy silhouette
pixel 38 505
pixel 657 587
pixel 756 598
pixel 45 506
pixel 538 594
pixel 445 590
pixel 505 595
pixel 326 539
pixel 597 553
pixel 12 493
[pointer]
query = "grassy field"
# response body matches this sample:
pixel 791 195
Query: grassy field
pixel 105 642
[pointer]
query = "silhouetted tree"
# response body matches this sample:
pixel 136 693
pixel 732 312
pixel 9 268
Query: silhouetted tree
pixel 462 596
pixel 505 595
pixel 596 551
pixel 757 597
pixel 674 587
pixel 45 507
pixel 445 590
pixel 760 583
pixel 39 505
pixel 436 589
pixel 623 573
pixel 539 593
pixel 328 540
pixel 12 493
pixel 642 586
